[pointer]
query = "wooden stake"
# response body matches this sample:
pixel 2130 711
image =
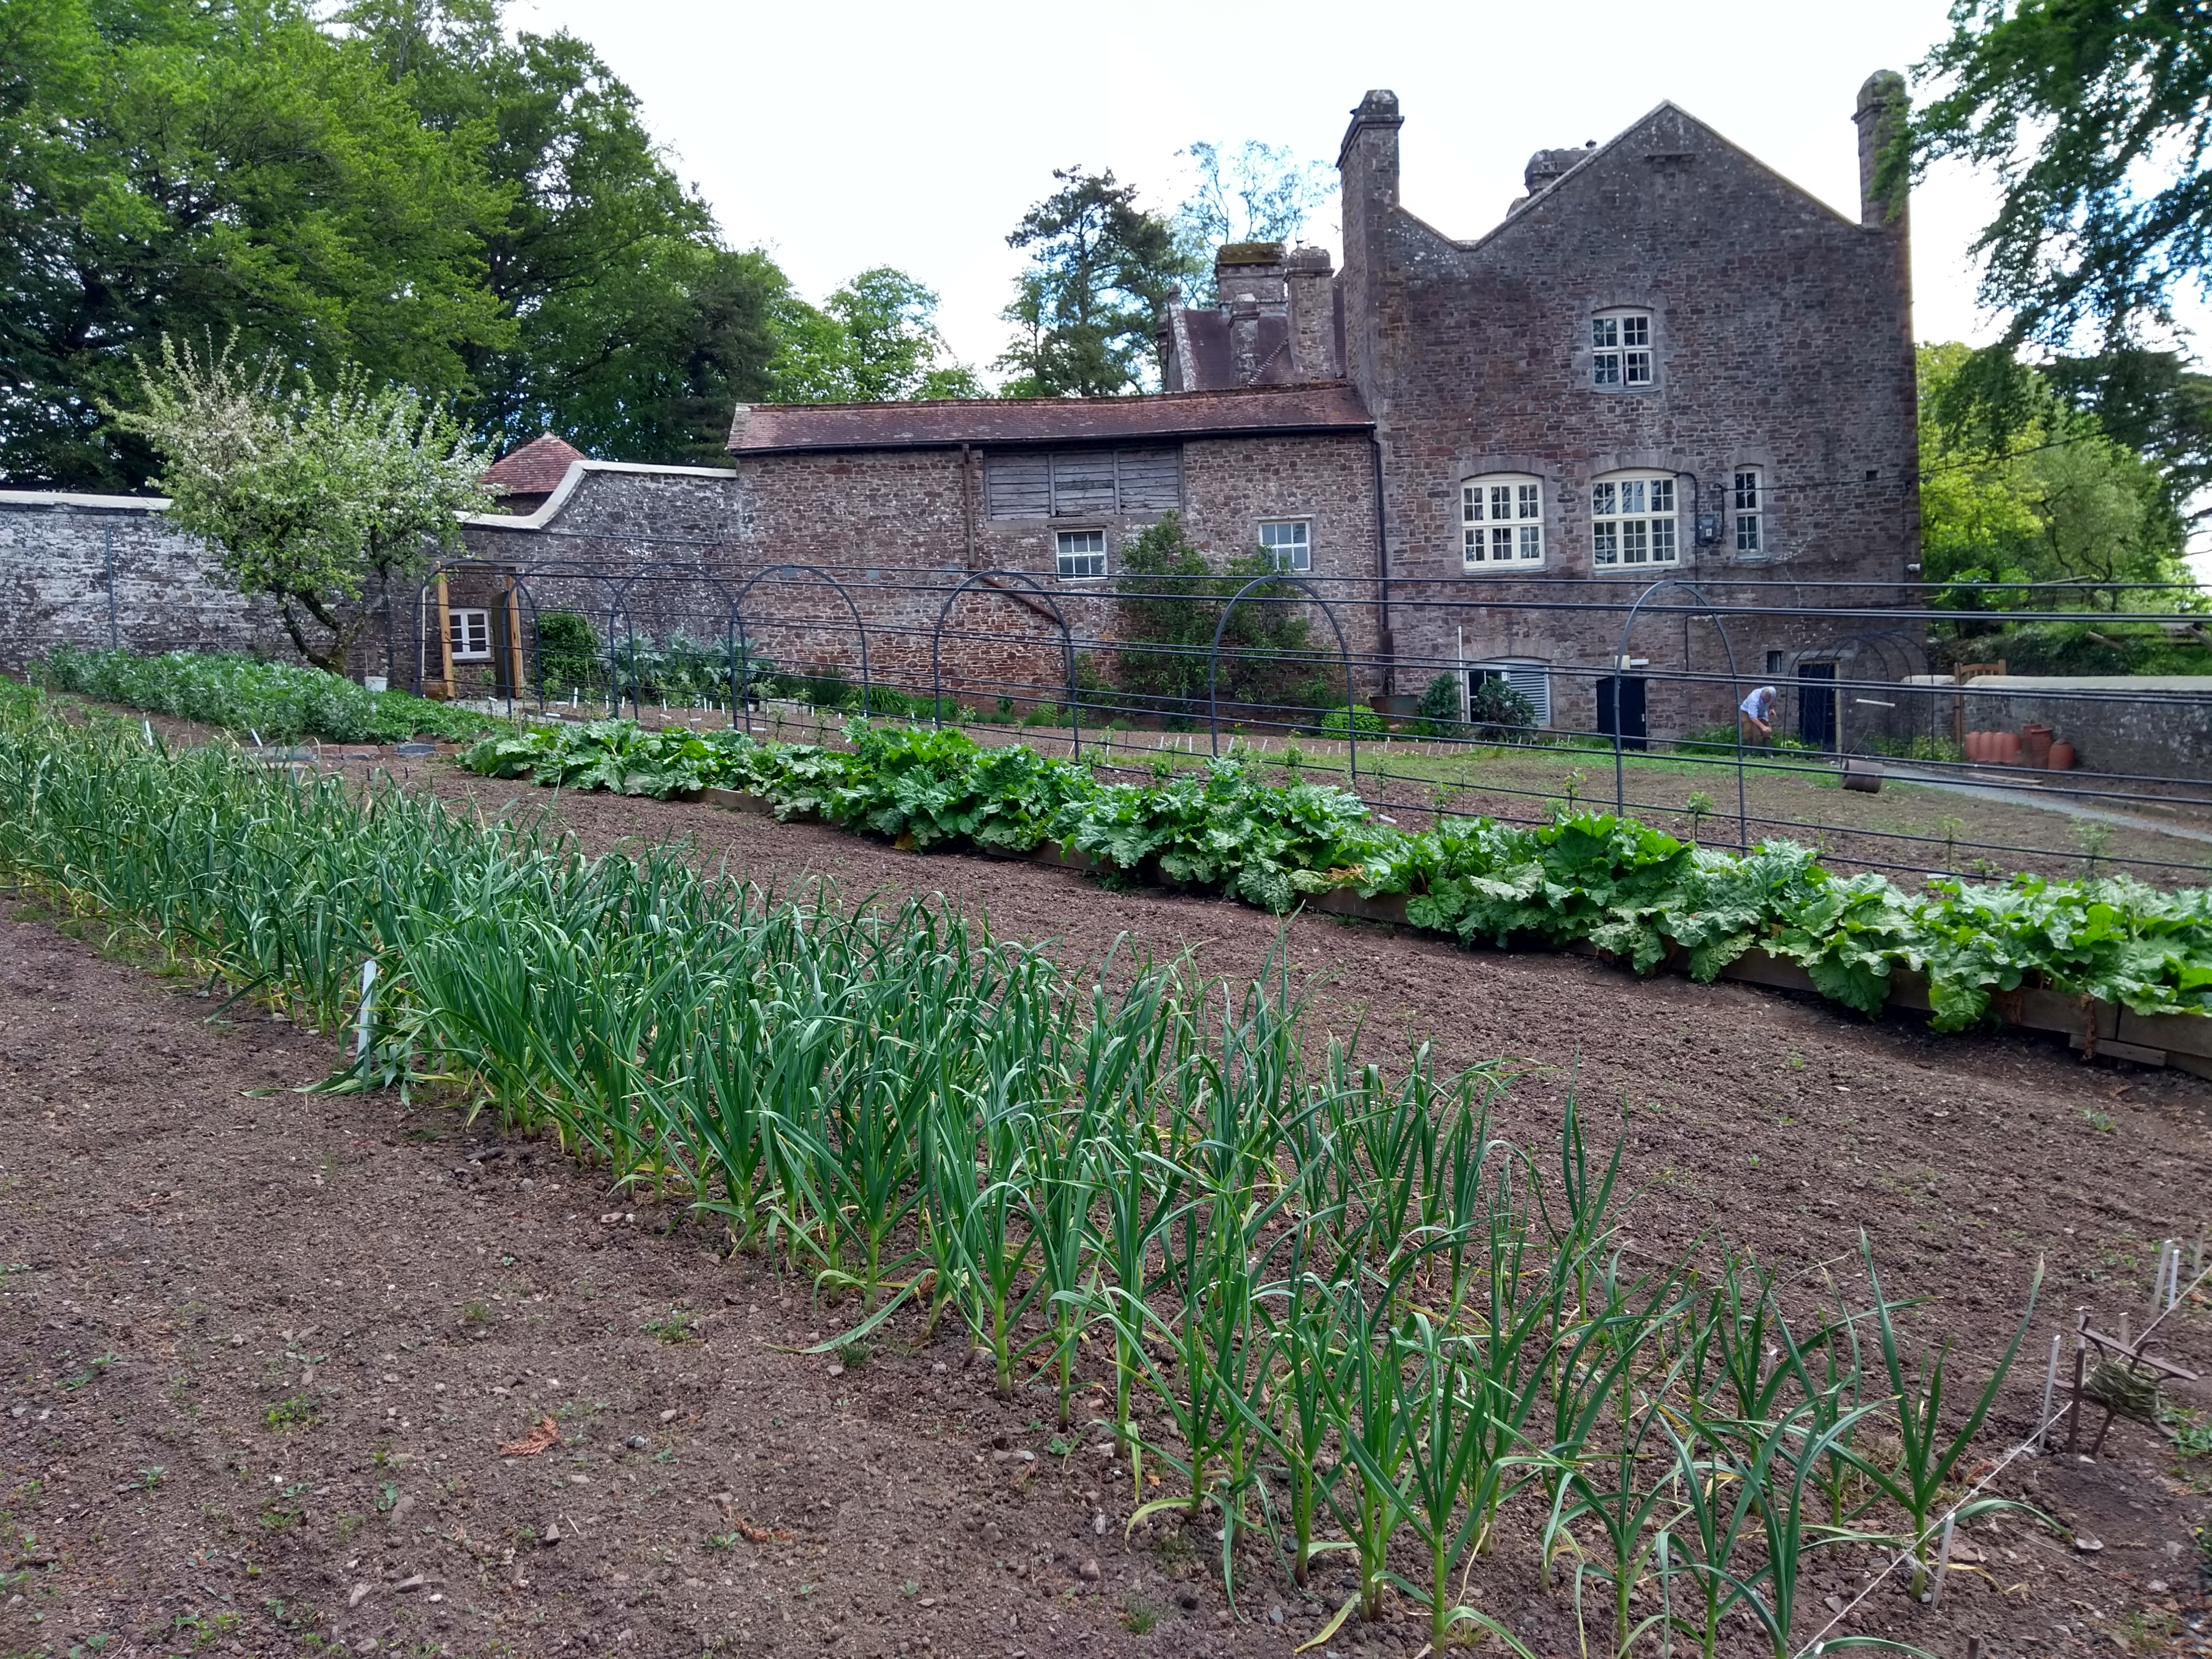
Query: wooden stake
pixel 445 642
pixel 514 639
pixel 1943 1561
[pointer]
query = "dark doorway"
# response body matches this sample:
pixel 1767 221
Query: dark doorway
pixel 1816 704
pixel 1620 709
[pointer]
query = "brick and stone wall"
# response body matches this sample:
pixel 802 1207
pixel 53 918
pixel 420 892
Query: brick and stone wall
pixel 167 592
pixel 901 529
pixel 2146 727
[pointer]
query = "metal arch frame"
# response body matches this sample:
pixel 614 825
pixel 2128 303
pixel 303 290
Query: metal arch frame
pixel 582 570
pixel 1343 653
pixel 1882 642
pixel 521 576
pixel 1066 643
pixel 655 569
pixel 745 643
pixel 1735 680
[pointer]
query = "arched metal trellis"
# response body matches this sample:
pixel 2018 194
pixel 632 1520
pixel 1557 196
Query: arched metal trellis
pixel 657 570
pixel 740 693
pixel 1895 650
pixel 1343 652
pixel 1619 673
pixel 995 580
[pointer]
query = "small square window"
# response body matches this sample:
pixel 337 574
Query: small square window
pixel 1081 555
pixel 1620 350
pixel 470 632
pixel 1288 543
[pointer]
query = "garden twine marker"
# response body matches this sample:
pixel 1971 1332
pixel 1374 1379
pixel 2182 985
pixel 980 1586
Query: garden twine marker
pixel 1943 1561
pixel 2050 1382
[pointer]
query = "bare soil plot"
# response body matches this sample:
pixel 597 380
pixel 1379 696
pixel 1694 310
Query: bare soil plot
pixel 412 1294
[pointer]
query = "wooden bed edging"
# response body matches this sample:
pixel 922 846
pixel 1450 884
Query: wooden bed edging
pixel 2182 1041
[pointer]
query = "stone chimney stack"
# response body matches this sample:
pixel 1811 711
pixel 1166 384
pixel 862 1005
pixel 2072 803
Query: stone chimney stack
pixel 1881 116
pixel 1309 287
pixel 1367 166
pixel 1368 161
pixel 1252 268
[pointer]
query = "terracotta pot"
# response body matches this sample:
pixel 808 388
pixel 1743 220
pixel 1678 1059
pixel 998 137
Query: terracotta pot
pixel 1973 745
pixel 2062 757
pixel 2009 749
pixel 2036 741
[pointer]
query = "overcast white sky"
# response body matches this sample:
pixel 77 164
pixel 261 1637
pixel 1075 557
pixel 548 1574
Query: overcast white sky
pixel 844 136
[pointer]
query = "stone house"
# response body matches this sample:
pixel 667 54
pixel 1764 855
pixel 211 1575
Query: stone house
pixel 1666 363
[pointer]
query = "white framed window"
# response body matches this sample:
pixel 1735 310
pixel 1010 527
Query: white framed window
pixel 1632 520
pixel 471 633
pixel 1620 349
pixel 1288 543
pixel 1080 555
pixel 1502 521
pixel 1750 509
pixel 1530 677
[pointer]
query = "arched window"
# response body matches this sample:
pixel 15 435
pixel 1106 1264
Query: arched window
pixel 1632 520
pixel 1502 521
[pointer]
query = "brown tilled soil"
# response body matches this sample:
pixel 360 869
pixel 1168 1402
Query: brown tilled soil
pixel 262 1349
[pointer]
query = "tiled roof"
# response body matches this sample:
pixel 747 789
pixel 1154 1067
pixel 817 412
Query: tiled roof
pixel 766 428
pixel 536 469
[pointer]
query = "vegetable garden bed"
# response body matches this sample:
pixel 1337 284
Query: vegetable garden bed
pixel 2078 957
pixel 829 1087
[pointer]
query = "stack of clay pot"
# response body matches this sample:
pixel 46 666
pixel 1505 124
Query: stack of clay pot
pixel 2032 745
pixel 1994 748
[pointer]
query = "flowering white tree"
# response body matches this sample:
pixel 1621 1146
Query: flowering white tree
pixel 307 494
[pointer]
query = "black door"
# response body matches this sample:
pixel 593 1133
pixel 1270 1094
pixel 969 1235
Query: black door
pixel 1816 704
pixel 1620 709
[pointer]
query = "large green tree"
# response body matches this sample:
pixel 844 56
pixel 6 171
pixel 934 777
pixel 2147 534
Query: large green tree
pixel 2096 120
pixel 876 338
pixel 2049 497
pixel 307 493
pixel 196 167
pixel 633 328
pixel 1102 267
pixel 1249 192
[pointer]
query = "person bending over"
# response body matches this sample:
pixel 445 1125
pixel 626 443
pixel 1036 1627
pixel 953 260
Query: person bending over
pixel 1758 711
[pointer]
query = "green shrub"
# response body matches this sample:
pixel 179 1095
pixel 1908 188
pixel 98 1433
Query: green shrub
pixel 1343 722
pixel 1495 708
pixel 568 658
pixel 1439 708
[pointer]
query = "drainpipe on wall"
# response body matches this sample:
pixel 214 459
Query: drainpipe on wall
pixel 966 505
pixel 108 531
pixel 1382 572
